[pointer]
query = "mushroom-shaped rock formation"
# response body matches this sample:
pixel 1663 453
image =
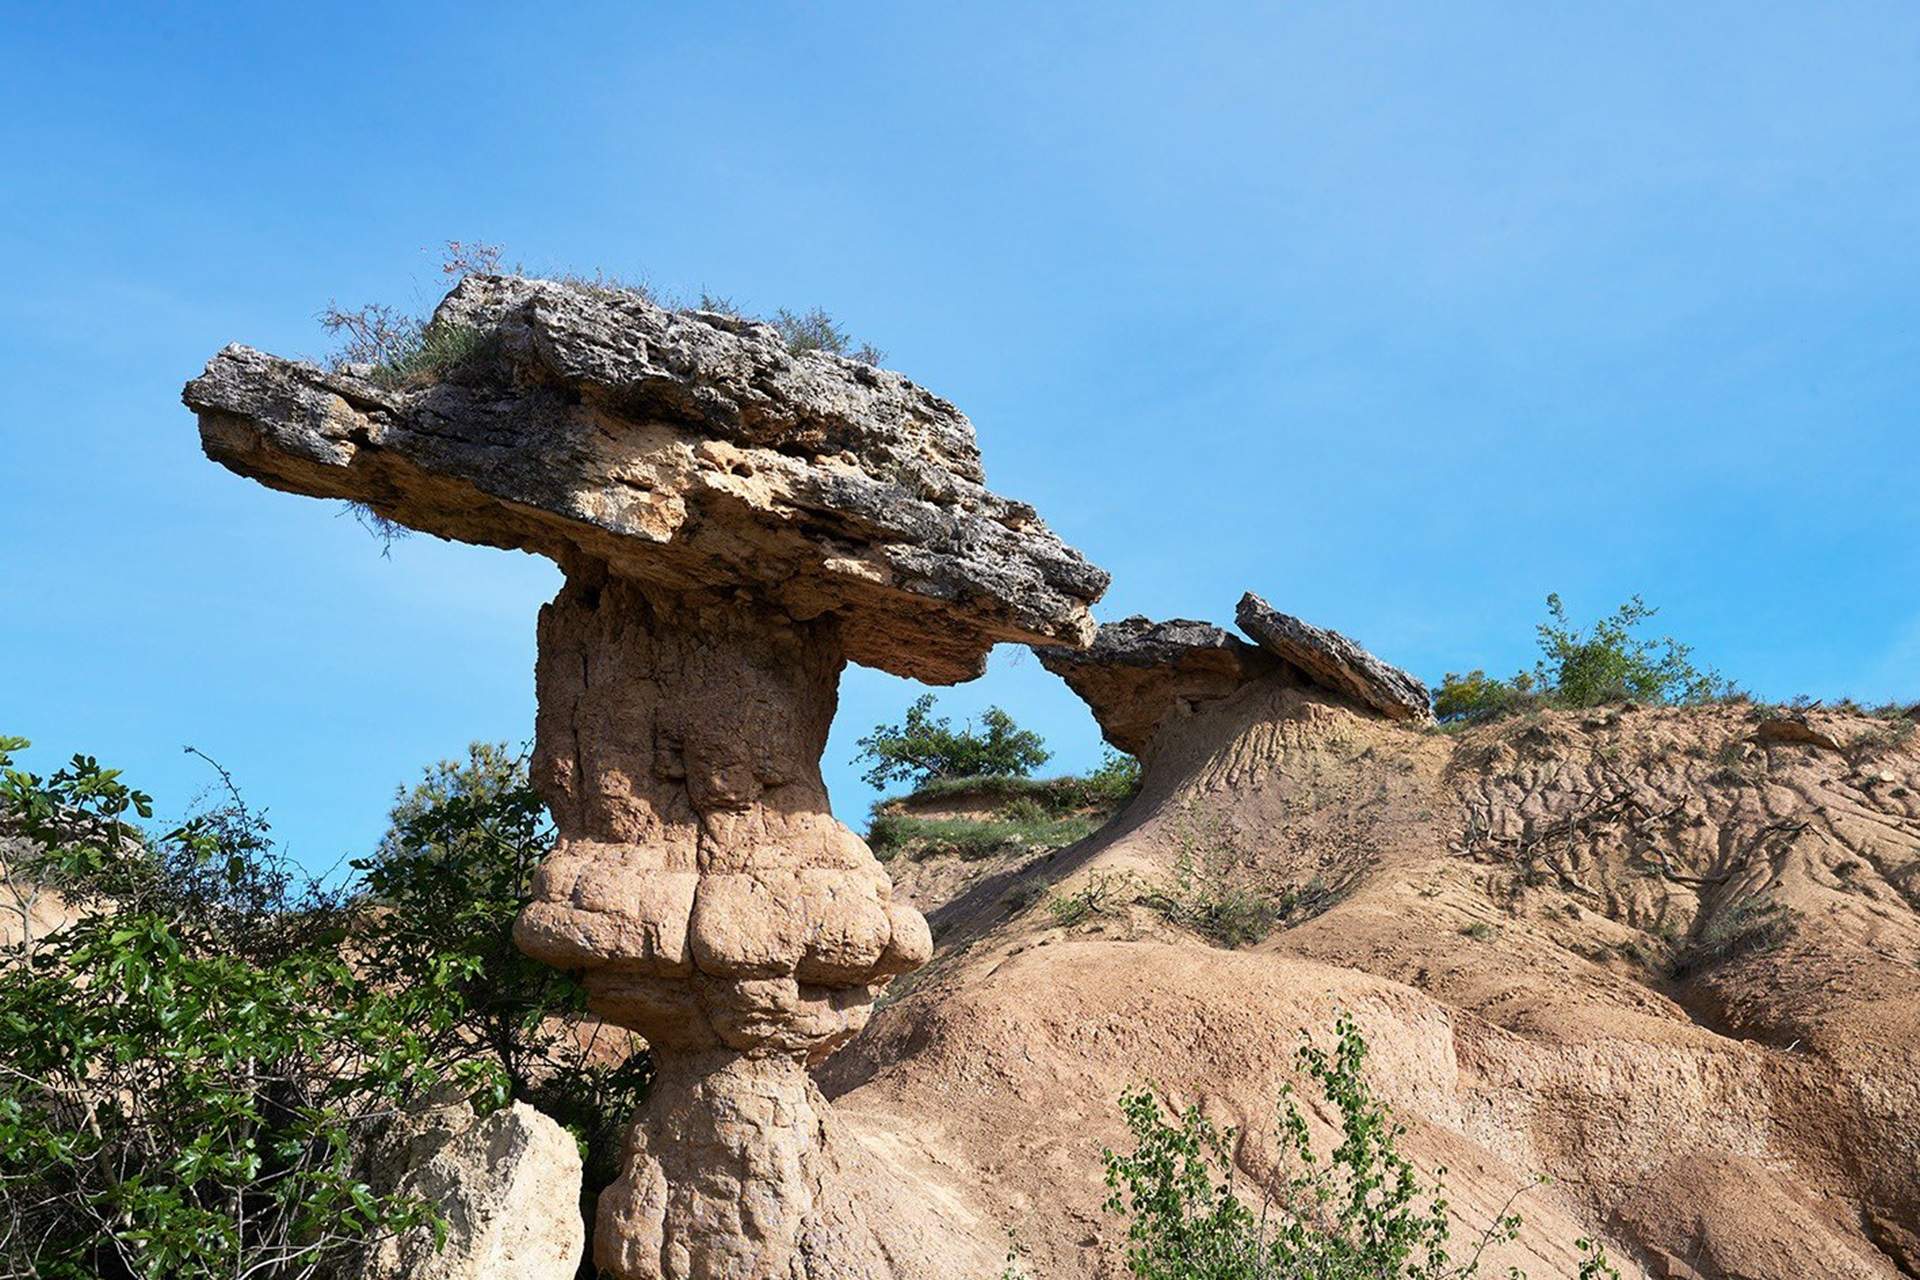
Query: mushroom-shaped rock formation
pixel 1137 673
pixel 735 522
pixel 1334 662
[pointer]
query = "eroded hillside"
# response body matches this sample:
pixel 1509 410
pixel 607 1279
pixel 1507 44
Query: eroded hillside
pixel 1669 958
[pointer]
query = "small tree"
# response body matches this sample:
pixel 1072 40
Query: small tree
pixel 926 747
pixel 1352 1215
pixel 1609 663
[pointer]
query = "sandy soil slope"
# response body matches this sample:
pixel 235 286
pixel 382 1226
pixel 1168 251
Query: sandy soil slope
pixel 1669 958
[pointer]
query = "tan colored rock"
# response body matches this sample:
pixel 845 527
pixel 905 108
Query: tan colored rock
pixel 736 522
pixel 1577 944
pixel 1137 674
pixel 1336 663
pixel 507 1186
pixel 1795 730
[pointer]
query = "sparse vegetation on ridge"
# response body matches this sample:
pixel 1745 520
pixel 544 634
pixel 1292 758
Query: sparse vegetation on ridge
pixel 893 835
pixel 405 349
pixel 987 772
pixel 1606 662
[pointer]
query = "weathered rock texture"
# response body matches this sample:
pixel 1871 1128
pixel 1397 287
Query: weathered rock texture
pixel 507 1186
pixel 1136 674
pixel 1334 662
pixel 735 523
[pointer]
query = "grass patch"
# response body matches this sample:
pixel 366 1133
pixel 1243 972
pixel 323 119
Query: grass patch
pixel 894 835
pixel 438 351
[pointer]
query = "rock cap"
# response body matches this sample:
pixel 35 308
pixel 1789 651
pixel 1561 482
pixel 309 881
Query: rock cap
pixel 691 451
pixel 1335 663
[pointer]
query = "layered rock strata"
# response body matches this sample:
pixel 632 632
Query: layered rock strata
pixel 735 523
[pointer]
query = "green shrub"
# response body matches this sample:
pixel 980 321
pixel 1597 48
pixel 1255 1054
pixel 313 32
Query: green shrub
pixel 195 1065
pixel 441 894
pixel 925 747
pixel 815 330
pixel 190 1065
pixel 1475 696
pixel 1607 662
pixel 1351 1214
pixel 1116 780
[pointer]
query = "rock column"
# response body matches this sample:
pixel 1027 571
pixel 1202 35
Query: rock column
pixel 715 904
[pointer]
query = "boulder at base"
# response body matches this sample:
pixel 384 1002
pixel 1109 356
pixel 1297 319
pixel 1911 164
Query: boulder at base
pixel 507 1184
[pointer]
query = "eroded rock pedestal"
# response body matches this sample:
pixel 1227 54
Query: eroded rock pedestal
pixel 717 906
pixel 736 522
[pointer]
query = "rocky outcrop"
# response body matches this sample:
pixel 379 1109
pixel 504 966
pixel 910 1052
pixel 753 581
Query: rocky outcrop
pixel 1140 676
pixel 1334 662
pixel 1137 673
pixel 683 451
pixel 735 523
pixel 506 1186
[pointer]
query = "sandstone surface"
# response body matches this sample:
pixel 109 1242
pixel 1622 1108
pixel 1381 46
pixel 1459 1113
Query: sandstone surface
pixel 507 1186
pixel 1674 969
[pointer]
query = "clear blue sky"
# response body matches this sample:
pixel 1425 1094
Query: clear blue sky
pixel 1402 315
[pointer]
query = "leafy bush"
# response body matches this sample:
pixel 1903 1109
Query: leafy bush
pixel 1607 662
pixel 192 1070
pixel 925 747
pixel 1353 1214
pixel 1116 780
pixel 442 892
pixel 1475 696
pixel 189 1066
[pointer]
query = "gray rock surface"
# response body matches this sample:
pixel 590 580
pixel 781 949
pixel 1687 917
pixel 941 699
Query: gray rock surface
pixel 1138 673
pixel 1334 662
pixel 507 1185
pixel 682 450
